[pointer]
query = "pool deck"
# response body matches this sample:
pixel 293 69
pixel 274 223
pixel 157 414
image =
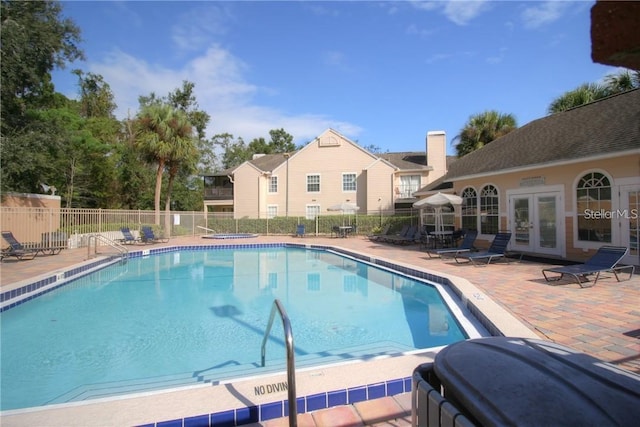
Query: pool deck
pixel 603 320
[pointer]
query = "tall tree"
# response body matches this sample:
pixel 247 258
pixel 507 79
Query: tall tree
pixel 281 141
pixel 35 39
pixel 483 128
pixel 161 131
pixel 96 97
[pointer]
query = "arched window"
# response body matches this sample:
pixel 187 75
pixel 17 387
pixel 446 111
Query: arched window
pixel 593 196
pixel 469 209
pixel 489 210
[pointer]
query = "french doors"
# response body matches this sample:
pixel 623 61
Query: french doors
pixel 535 223
pixel 629 215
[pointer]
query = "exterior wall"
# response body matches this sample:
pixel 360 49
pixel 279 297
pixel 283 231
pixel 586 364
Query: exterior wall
pixel 621 171
pixel 329 156
pixel 29 225
pixel 380 184
pixel 249 188
pixel 23 200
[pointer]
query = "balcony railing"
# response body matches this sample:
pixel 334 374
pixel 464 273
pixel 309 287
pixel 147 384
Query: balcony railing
pixel 218 193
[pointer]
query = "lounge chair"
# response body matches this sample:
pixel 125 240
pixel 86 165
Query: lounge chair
pixel 409 233
pixel 466 246
pixel 606 259
pixel 128 237
pixel 300 229
pixel 495 251
pixel 412 236
pixel 54 242
pixel 17 249
pixel 403 232
pixel 148 236
pixel 384 232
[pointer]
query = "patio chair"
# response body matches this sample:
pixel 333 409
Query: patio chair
pixel 128 237
pixel 300 229
pixel 335 231
pixel 17 249
pixel 495 251
pixel 148 236
pixel 466 246
pixel 606 259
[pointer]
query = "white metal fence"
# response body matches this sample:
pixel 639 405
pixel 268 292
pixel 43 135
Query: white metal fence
pixel 45 225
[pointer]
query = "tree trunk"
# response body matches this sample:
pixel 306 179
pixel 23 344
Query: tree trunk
pixel 158 190
pixel 167 204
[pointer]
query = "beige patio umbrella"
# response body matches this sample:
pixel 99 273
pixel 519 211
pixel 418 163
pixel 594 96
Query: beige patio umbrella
pixel 344 207
pixel 438 201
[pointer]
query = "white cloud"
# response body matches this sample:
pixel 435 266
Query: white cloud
pixel 458 12
pixel 543 13
pixel 196 28
pixel 461 12
pixel 221 91
pixel 414 30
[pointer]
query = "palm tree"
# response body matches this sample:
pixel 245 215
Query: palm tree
pixel 584 94
pixel 184 158
pixel 589 92
pixel 483 128
pixel 623 81
pixel 161 132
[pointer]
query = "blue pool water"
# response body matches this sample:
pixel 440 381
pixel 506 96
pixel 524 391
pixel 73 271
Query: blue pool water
pixel 191 316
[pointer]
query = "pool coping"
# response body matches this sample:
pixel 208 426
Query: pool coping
pixel 254 408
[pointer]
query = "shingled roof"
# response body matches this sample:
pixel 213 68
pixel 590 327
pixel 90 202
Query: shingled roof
pixel 407 160
pixel 269 162
pixel 602 127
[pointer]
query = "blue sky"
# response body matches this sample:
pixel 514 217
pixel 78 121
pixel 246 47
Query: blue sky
pixel 380 73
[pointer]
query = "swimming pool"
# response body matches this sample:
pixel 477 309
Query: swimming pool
pixel 140 319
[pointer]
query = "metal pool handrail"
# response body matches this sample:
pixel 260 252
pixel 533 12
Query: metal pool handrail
pixel 291 368
pixel 124 252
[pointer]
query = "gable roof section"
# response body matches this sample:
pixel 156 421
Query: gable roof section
pixel 269 162
pixel 603 127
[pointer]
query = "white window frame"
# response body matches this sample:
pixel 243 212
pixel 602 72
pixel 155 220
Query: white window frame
pixel 475 207
pixel 614 201
pixel 480 207
pixel 312 211
pixel 349 183
pixel 310 175
pixel 408 188
pixel 272 211
pixel 270 185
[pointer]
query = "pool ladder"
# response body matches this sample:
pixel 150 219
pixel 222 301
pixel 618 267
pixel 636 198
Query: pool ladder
pixel 291 368
pixel 95 238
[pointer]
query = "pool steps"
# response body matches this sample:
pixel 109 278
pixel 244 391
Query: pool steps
pixel 231 372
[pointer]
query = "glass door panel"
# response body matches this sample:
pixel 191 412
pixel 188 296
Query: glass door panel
pixel 521 220
pixel 630 216
pixel 547 226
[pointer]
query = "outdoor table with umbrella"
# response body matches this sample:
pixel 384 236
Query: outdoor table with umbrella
pixel 438 201
pixel 344 207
